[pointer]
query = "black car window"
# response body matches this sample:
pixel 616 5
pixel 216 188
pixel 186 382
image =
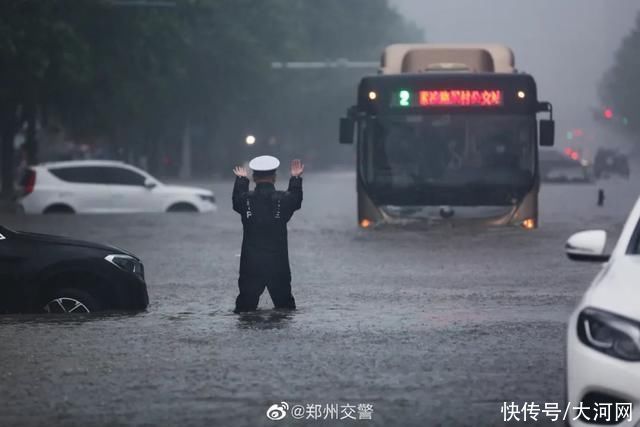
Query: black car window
pixel 122 176
pixel 81 174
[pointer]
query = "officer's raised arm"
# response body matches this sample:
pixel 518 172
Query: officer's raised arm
pixel 294 192
pixel 240 188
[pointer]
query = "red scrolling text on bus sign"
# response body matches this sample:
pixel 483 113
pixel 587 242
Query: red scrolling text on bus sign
pixel 460 98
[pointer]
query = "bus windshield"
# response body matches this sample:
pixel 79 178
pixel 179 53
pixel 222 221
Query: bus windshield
pixel 450 152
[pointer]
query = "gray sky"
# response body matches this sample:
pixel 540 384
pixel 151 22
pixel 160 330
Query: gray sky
pixel 565 44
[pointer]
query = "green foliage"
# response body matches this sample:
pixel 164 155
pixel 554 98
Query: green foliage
pixel 620 87
pixel 137 75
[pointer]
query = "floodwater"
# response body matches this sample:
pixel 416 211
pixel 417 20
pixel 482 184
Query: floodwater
pixel 430 327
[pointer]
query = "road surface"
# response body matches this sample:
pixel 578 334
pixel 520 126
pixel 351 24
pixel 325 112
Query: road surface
pixel 429 327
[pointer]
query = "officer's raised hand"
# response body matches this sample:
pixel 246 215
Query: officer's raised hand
pixel 240 172
pixel 296 168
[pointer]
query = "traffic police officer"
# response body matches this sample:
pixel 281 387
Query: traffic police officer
pixel 265 212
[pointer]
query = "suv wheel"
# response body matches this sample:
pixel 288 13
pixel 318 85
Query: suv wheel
pixel 182 207
pixel 59 209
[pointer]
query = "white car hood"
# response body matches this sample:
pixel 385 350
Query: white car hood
pixel 178 189
pixel 617 288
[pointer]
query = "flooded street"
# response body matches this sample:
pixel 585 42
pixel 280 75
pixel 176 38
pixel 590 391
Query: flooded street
pixel 431 327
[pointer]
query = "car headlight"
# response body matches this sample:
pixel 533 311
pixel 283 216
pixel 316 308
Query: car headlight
pixel 610 334
pixel 207 198
pixel 127 263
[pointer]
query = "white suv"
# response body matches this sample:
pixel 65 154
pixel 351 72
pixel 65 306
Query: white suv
pixel 100 186
pixel 603 338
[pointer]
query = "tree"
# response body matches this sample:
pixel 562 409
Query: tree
pixel 310 102
pixel 141 77
pixel 34 48
pixel 620 89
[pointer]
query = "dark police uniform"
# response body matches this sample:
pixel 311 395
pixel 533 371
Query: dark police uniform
pixel 265 255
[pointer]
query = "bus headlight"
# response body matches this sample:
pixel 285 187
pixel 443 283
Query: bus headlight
pixel 528 224
pixel 365 223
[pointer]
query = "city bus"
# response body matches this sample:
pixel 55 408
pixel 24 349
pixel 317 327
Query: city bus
pixel 448 146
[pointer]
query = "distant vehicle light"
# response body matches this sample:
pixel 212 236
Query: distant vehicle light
pixel 529 224
pixel 372 95
pixel 250 140
pixel 365 223
pixel 575 155
pixel 608 113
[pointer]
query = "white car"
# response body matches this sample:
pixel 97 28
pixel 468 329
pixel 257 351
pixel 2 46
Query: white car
pixel 603 340
pixel 100 186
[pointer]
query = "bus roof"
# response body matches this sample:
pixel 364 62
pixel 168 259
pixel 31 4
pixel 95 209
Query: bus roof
pixel 420 57
pixel 453 78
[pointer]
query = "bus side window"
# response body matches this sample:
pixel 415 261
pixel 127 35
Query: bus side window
pixel 366 150
pixel 381 145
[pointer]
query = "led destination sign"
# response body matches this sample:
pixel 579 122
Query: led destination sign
pixel 448 98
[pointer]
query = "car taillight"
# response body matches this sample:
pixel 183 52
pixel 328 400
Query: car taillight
pixel 29 181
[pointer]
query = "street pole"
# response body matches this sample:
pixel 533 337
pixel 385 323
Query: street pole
pixel 185 165
pixel 314 65
pixel 340 65
pixel 141 3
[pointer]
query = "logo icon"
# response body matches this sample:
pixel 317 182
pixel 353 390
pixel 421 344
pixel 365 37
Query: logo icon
pixel 277 411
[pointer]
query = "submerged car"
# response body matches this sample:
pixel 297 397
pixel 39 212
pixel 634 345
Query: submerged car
pixel 610 162
pixel 40 273
pixel 104 186
pixel 558 167
pixel 603 338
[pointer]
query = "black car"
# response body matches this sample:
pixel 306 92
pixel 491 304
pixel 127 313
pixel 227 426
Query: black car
pixel 43 273
pixel 610 162
pixel 555 166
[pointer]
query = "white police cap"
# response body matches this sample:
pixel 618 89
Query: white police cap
pixel 264 164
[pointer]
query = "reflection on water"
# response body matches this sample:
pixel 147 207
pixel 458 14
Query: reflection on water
pixel 208 321
pixel 66 319
pixel 265 319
